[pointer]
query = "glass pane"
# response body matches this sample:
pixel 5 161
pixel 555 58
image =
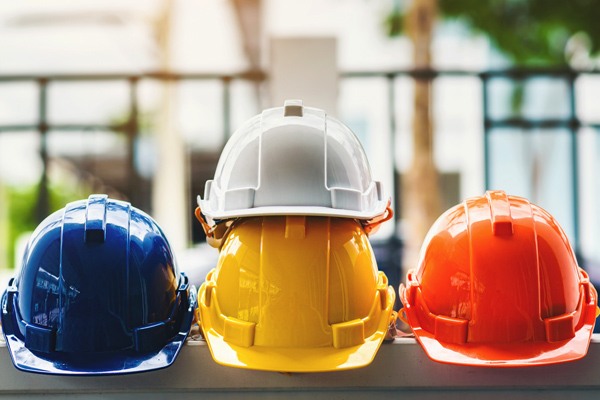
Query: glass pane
pixel 459 135
pixel 89 160
pixel 589 184
pixel 18 103
pixel 535 164
pixel 535 98
pixel 100 102
pixel 200 114
pixel 20 163
pixel 370 121
pixel 588 106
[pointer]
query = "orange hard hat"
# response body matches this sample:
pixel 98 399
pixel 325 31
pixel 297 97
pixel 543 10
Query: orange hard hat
pixel 498 285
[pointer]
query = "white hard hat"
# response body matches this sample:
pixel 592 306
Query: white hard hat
pixel 293 160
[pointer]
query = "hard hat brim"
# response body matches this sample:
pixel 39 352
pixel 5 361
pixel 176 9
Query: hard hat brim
pixel 292 210
pixel 506 355
pixel 85 364
pixel 286 359
pixel 108 363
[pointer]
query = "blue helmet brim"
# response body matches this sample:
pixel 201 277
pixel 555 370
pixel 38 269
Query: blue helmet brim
pixel 108 363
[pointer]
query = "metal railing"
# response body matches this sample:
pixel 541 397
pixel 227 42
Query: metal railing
pixel 130 128
pixel 572 122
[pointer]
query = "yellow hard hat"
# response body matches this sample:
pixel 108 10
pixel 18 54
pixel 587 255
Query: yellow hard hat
pixel 295 294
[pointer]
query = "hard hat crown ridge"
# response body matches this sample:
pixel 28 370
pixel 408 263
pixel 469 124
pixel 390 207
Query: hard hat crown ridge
pixel 98 293
pixel 498 285
pixel 293 160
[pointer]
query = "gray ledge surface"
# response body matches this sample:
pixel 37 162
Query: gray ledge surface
pixel 401 369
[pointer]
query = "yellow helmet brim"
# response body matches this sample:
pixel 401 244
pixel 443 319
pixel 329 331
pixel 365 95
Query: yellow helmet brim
pixel 286 359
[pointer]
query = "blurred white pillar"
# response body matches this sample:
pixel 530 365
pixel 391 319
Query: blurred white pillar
pixel 169 187
pixel 304 68
pixel 169 190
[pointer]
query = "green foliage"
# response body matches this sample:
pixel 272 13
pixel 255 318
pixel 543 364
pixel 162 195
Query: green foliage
pixel 22 202
pixel 21 217
pixel 529 32
pixel 517 96
pixel 394 23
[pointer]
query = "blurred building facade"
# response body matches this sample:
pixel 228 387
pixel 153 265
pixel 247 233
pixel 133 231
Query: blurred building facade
pixel 100 134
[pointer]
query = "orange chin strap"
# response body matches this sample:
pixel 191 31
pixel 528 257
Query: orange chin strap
pixel 208 229
pixel 214 233
pixel 372 225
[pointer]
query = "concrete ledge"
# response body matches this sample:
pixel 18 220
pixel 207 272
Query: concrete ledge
pixel 400 368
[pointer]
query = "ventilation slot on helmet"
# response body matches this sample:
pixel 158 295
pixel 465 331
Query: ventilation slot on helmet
pixel 292 108
pixel 502 224
pixel 95 218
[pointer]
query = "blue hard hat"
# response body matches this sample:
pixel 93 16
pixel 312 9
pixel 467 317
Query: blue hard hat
pixel 98 293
